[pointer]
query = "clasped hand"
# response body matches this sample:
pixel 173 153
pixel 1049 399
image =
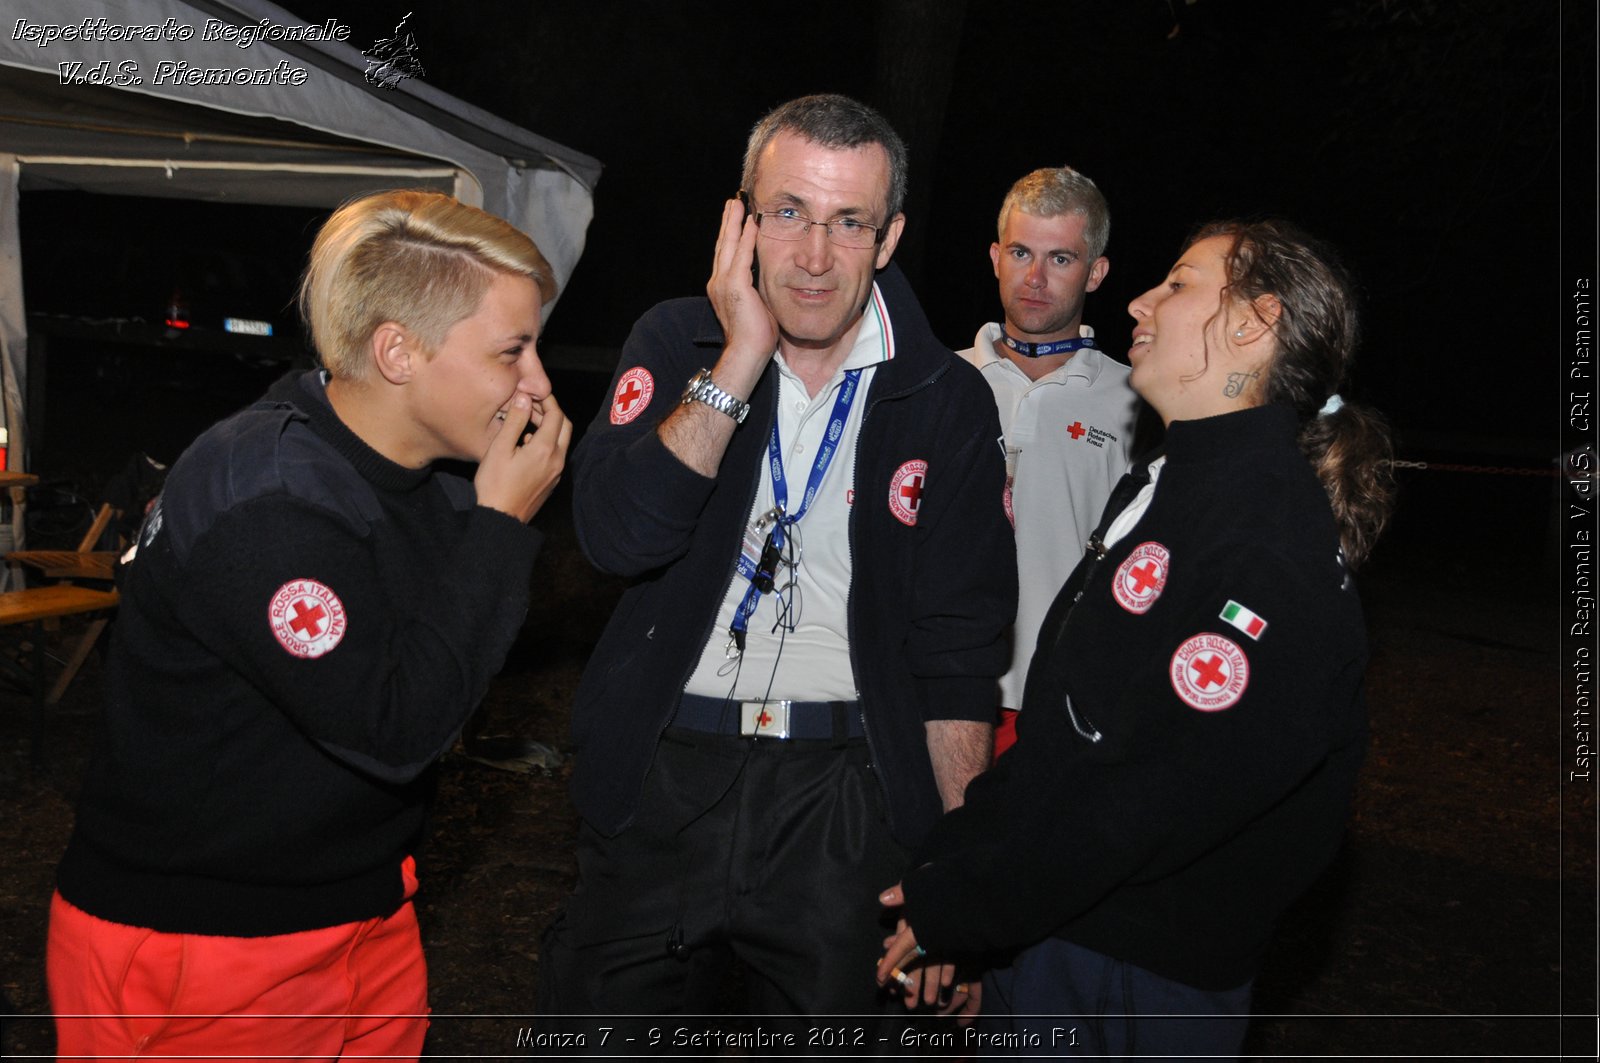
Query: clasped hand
pixel 923 983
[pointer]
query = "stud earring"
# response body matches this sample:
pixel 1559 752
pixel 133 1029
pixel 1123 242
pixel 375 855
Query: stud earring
pixel 1239 334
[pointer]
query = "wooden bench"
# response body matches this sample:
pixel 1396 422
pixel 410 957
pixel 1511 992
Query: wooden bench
pixel 23 659
pixel 27 615
pixel 68 564
pixel 56 600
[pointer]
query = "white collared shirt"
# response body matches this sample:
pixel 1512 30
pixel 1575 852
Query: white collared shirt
pixel 811 662
pixel 1068 440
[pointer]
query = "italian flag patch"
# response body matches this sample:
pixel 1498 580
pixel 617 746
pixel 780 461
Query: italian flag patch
pixel 1244 620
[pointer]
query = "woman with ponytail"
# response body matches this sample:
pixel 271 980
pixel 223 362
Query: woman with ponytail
pixel 1193 719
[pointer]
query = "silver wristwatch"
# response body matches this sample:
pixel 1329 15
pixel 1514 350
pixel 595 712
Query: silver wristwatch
pixel 701 389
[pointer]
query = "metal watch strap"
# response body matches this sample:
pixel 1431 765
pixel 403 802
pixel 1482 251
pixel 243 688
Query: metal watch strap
pixel 702 389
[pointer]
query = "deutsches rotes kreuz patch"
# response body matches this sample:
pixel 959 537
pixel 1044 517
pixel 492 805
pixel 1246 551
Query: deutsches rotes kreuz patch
pixel 307 618
pixel 632 395
pixel 1141 577
pixel 1210 673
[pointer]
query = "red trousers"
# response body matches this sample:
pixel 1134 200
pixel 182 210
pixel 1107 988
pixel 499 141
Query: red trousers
pixel 360 989
pixel 1005 731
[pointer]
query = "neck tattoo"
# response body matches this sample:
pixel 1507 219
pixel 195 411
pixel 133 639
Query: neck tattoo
pixel 1237 382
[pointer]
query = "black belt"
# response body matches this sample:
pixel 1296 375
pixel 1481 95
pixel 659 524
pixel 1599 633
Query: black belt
pixel 827 720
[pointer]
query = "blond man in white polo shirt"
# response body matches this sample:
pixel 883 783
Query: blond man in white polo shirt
pixel 1066 409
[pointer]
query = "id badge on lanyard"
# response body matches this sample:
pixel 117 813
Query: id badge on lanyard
pixel 763 547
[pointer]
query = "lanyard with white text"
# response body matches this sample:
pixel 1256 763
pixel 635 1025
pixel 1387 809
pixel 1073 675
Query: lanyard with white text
pixel 1041 350
pixel 760 573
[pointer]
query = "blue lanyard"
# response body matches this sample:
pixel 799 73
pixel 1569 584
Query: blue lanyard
pixel 760 574
pixel 1040 350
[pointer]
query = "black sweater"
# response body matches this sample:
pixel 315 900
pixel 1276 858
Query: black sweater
pixel 1168 798
pixel 303 630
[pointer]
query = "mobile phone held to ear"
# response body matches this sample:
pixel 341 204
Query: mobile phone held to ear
pixel 755 265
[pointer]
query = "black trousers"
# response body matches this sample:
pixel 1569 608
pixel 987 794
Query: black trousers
pixel 765 850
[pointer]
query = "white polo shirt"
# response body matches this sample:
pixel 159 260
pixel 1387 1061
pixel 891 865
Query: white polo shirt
pixel 1068 440
pixel 812 661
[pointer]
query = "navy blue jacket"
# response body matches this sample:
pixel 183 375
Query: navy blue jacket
pixel 929 602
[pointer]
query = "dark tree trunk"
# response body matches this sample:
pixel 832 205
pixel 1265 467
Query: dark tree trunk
pixel 918 42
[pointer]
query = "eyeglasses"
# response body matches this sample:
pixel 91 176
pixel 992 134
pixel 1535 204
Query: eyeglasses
pixel 786 223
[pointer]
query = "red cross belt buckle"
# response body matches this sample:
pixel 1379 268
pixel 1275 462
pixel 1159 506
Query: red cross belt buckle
pixel 764 719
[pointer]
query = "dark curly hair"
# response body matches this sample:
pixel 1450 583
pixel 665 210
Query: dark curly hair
pixel 1317 332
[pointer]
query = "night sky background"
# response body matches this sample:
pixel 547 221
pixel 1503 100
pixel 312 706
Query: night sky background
pixel 1422 137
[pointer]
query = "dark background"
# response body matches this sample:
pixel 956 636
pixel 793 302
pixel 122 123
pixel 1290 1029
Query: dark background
pixel 1421 136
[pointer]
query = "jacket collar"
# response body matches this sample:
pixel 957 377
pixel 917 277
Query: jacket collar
pixel 1212 438
pixel 307 393
pixel 918 355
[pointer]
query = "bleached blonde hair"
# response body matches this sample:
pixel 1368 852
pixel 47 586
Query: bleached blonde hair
pixel 421 259
pixel 1056 190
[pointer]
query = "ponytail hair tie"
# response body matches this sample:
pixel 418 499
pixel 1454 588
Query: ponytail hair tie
pixel 1334 404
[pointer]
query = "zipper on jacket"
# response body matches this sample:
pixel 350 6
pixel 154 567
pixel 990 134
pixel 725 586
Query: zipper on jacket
pixel 733 568
pixel 1094 552
pixel 1080 723
pixel 850 602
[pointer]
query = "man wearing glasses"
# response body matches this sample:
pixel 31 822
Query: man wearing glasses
pixel 800 679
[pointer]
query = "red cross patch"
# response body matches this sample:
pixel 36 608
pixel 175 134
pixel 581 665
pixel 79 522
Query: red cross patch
pixel 1141 578
pixel 1076 430
pixel 905 491
pixel 1209 672
pixel 307 618
pixel 632 394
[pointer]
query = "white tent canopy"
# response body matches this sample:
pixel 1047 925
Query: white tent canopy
pixel 316 134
